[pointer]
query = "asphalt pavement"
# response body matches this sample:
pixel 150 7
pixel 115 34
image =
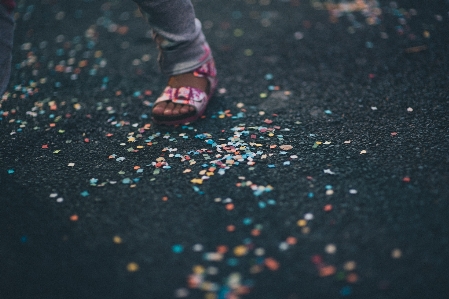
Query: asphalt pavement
pixel 320 168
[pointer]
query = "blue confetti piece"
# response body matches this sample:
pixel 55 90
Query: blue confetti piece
pixel 232 262
pixel 84 193
pixel 177 248
pixel 327 111
pixel 328 187
pixel 271 166
pixel 10 171
pixel 247 221
pixel 271 202
pixel 310 195
pixel 269 76
pixel 126 181
pixel 262 204
pixel 346 291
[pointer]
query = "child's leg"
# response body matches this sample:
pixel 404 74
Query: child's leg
pixel 183 47
pixel 6 38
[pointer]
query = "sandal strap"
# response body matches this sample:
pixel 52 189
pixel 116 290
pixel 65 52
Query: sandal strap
pixel 183 95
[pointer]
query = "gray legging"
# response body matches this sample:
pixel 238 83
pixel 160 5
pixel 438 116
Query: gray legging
pixel 176 31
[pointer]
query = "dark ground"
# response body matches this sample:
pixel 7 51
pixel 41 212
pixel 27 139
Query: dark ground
pixel 380 226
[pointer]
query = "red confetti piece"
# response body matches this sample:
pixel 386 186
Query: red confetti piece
pixel 328 208
pixel 317 259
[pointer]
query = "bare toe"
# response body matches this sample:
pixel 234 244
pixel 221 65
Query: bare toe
pixel 159 108
pixel 176 110
pixel 169 109
pixel 185 109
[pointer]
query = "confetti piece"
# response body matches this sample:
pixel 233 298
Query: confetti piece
pixel 328 208
pixel 117 240
pixel 132 267
pixel 328 171
pixel 177 248
pixel 396 253
pixel 327 271
pixel 330 249
pixel 271 264
pixel 74 218
pixel 240 250
pixel 286 147
pixel 349 266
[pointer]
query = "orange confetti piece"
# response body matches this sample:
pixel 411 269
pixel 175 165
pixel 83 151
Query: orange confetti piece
pixel 164 198
pixel 255 232
pixel 230 228
pixel 222 249
pixel 230 206
pixel 74 217
pixel 45 146
pixel 352 278
pixel 327 271
pixel 291 240
pixel 328 208
pixel 271 264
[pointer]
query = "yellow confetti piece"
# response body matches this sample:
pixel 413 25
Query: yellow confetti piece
pixel 238 32
pixel 301 223
pixel 248 52
pixel 198 269
pixel 240 250
pixel 197 181
pixel 117 240
pixel 132 267
pixel 56 151
pixel 98 54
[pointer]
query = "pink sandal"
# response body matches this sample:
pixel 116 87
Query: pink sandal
pixel 189 96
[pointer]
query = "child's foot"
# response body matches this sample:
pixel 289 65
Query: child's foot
pixel 169 109
pixel 186 96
